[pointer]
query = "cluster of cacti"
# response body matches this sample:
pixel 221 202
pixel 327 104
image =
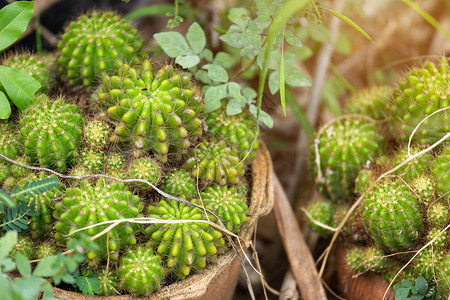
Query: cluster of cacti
pixel 139 124
pixel 403 206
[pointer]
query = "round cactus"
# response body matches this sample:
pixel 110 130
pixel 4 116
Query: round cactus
pixel 371 102
pixel 18 171
pixel 441 240
pixel 427 262
pixel 321 211
pixel 45 249
pixel 441 171
pixel 342 150
pixel 415 167
pixel 238 131
pixel 153 112
pixel 115 161
pixel 227 204
pixel 10 183
pixel 438 215
pixel 95 43
pixel 4 171
pixel 147 169
pixel 215 163
pixel 423 187
pixel 107 282
pixel 51 133
pixel 338 216
pixel 368 259
pixel 25 246
pixel 9 145
pixel 184 246
pixel 36 66
pixel 443 280
pixel 96 134
pixel 92 160
pixel 392 215
pixel 89 205
pixel 140 272
pixel 422 92
pixel 406 274
pixel 180 183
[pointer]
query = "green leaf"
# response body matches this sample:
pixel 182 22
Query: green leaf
pixel 152 10
pixel 236 39
pixel 421 285
pixel 343 44
pixel 7 199
pixel 349 22
pixel 202 75
pixel 48 291
pixel 274 82
pixel 28 288
pixel 249 94
pixel 46 267
pixel 216 72
pixel 298 112
pixel 264 117
pixel 36 187
pixel 224 59
pixel 23 265
pixel 234 89
pixel 187 61
pixel 88 284
pixel 238 16
pixel 402 293
pixel 207 55
pixel 282 84
pixel 406 283
pixel 19 86
pixel 7 242
pixel 196 38
pixel 234 106
pixel 173 43
pixel 213 96
pixel 14 19
pixel 291 38
pixel 295 77
pixel 5 108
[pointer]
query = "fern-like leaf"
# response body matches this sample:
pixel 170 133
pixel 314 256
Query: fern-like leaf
pixel 88 283
pixel 15 218
pixel 6 199
pixel 36 187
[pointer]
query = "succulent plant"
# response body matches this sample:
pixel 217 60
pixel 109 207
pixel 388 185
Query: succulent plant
pixel 238 131
pixel 422 92
pixel 441 171
pixel 441 240
pixel 18 171
pixel 229 205
pixel 107 282
pixel 214 162
pixel 51 132
pixel 9 145
pixel 321 211
pixel 392 215
pixel 427 262
pixel 96 134
pixel 341 150
pixel 443 272
pixel 424 187
pixel 415 167
pixel 438 214
pixel 180 183
pixel 45 249
pixel 115 161
pixel 89 205
pixel 394 268
pixel 371 102
pixel 92 160
pixel 4 171
pixel 94 43
pixel 25 246
pixel 367 259
pixel 183 246
pixel 10 183
pixel 140 271
pixel 151 111
pixel 145 168
pixel 338 217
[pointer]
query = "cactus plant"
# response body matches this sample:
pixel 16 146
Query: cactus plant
pixel 25 246
pixel 415 167
pixel 180 183
pixel 441 239
pixel 441 171
pixel 422 92
pixel 183 246
pixel 214 162
pixel 371 102
pixel 427 261
pixel 367 259
pixel 443 278
pixel 107 282
pixel 51 132
pixel 145 168
pixel 115 161
pixel 18 171
pixel 92 160
pixel 341 150
pixel 152 111
pixel 322 211
pixel 438 214
pixel 96 134
pixel 4 171
pixel 227 204
pixel 392 215
pixel 94 43
pixel 45 249
pixel 89 205
pixel 9 145
pixel 140 271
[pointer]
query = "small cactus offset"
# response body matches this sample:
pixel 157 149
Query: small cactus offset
pixel 115 161
pixel 145 168
pixel 368 259
pixel 422 92
pixel 441 238
pixel 215 163
pixel 96 134
pixel 341 151
pixel 92 160
pixel 227 204
pixel 140 272
pixel 18 171
pixel 151 111
pixel 415 167
pixel 25 246
pixel 371 102
pixel 51 133
pixel 9 145
pixel 184 246
pixel 238 131
pixel 94 43
pixel 45 249
pixel 4 172
pixel 108 283
pixel 392 215
pixel 89 205
pixel 427 262
pixel 180 183
pixel 441 171
pixel 438 214
pixel 321 211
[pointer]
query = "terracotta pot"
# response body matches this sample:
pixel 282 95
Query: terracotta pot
pixel 217 281
pixel 359 287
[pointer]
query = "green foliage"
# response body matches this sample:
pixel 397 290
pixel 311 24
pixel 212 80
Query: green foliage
pixel 14 19
pixel 87 282
pixel 406 290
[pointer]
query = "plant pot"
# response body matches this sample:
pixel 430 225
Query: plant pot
pixel 359 287
pixel 217 281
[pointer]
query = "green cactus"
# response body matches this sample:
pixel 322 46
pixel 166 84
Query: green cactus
pixel 415 167
pixel 152 111
pixel 322 211
pixel 215 163
pixel 392 215
pixel 427 262
pixel 367 259
pixel 441 171
pixel 115 161
pixel 45 249
pixel 4 171
pixel 145 168
pixel 140 272
pixel 438 214
pixel 25 246
pixel 89 205
pixel 371 102
pixel 9 145
pixel 108 283
pixel 342 150
pixel 422 91
pixel 238 131
pixel 424 188
pixel 51 132
pixel 180 183
pixel 93 160
pixel 406 274
pixel 227 204
pixel 441 240
pixel 18 171
pixel 10 183
pixel 96 134
pixel 94 43
pixel 363 181
pixel 184 246
pixel 338 216
pixel 443 280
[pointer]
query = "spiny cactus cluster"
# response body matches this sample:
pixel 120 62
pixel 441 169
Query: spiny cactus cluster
pixel 372 102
